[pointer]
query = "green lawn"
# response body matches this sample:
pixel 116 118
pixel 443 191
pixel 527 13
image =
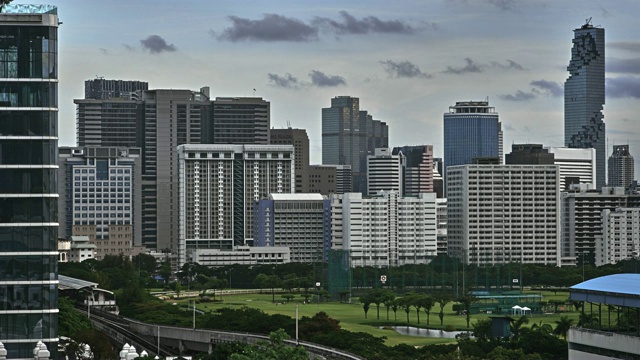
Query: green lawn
pixel 351 316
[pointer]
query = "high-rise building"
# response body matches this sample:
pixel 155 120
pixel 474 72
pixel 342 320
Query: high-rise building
pixel 498 214
pixel 219 186
pixel 438 177
pixel 385 229
pixel 582 219
pixel 329 179
pixel 349 135
pixel 528 154
pixel 441 216
pixel 418 168
pixel 584 125
pixel 239 120
pixel 385 172
pixel 577 166
pixel 102 89
pixel 620 238
pixel 157 122
pixel 28 182
pixel 621 167
pixel 300 141
pixel 301 222
pixel 100 197
pixel 471 130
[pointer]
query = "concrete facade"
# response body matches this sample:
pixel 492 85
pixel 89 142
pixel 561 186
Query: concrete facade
pixel 386 229
pixel 219 185
pixel 504 213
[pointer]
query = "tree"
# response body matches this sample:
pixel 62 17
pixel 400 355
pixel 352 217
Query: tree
pixel 562 326
pixel 442 299
pixel 516 326
pixel 145 262
pixel 466 302
pixel 275 349
pixel 389 301
pixel 394 306
pixel 320 323
pixel 288 297
pixel 366 301
pixel 405 302
pixel 427 305
pixel 178 289
pixel 416 301
pixel 71 320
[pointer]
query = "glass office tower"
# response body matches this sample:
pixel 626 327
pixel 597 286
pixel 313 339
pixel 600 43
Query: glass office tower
pixel 472 129
pixel 584 125
pixel 28 186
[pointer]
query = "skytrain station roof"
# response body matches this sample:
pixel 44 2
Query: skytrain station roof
pixel 618 289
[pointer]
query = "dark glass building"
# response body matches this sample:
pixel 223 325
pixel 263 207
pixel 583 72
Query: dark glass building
pixel 349 135
pixel 584 125
pixel 28 184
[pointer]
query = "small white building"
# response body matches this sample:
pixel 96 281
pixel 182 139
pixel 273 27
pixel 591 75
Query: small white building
pixel 81 249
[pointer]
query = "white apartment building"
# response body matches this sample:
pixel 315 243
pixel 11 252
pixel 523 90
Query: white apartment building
pixel 385 171
pixel 582 219
pixel 385 229
pixel 575 165
pixel 620 238
pixel 504 213
pixel 218 187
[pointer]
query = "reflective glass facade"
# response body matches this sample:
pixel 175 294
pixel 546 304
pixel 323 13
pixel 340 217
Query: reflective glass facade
pixel 28 180
pixel 584 125
pixel 471 130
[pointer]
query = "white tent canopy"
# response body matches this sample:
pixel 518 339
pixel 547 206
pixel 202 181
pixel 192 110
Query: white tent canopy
pixel 517 310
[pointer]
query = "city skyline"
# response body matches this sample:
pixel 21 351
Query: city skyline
pixel 406 62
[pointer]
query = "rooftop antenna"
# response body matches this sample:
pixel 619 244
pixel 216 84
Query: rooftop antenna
pixel 289 124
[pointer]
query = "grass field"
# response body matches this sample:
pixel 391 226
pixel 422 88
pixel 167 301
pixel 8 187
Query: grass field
pixel 351 316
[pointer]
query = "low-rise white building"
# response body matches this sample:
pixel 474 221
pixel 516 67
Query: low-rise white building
pixel 81 249
pixel 576 165
pixel 243 255
pixel 385 229
pixel 620 238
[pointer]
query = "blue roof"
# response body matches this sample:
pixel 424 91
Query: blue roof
pixel 618 289
pixel 619 283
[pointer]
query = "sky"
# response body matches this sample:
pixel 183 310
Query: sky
pixel 406 60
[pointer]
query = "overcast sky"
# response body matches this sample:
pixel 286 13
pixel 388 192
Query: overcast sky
pixel 407 61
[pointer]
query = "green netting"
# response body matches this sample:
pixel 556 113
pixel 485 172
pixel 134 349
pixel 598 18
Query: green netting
pixel 339 282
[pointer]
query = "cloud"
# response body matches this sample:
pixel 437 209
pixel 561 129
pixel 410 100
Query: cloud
pixel 403 69
pixel 518 96
pixel 502 4
pixel 471 67
pixel 156 44
pixel 287 81
pixel 545 87
pixel 627 66
pixel 320 79
pixel 510 65
pixel 369 24
pixel 103 51
pixel 272 27
pixel 625 45
pixel 509 127
pixel 623 87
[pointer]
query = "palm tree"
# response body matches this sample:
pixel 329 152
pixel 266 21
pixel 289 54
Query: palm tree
pixel 394 306
pixel 442 299
pixel 366 303
pixel 562 326
pixel 516 326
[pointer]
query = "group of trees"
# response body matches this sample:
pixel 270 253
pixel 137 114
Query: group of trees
pixel 412 300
